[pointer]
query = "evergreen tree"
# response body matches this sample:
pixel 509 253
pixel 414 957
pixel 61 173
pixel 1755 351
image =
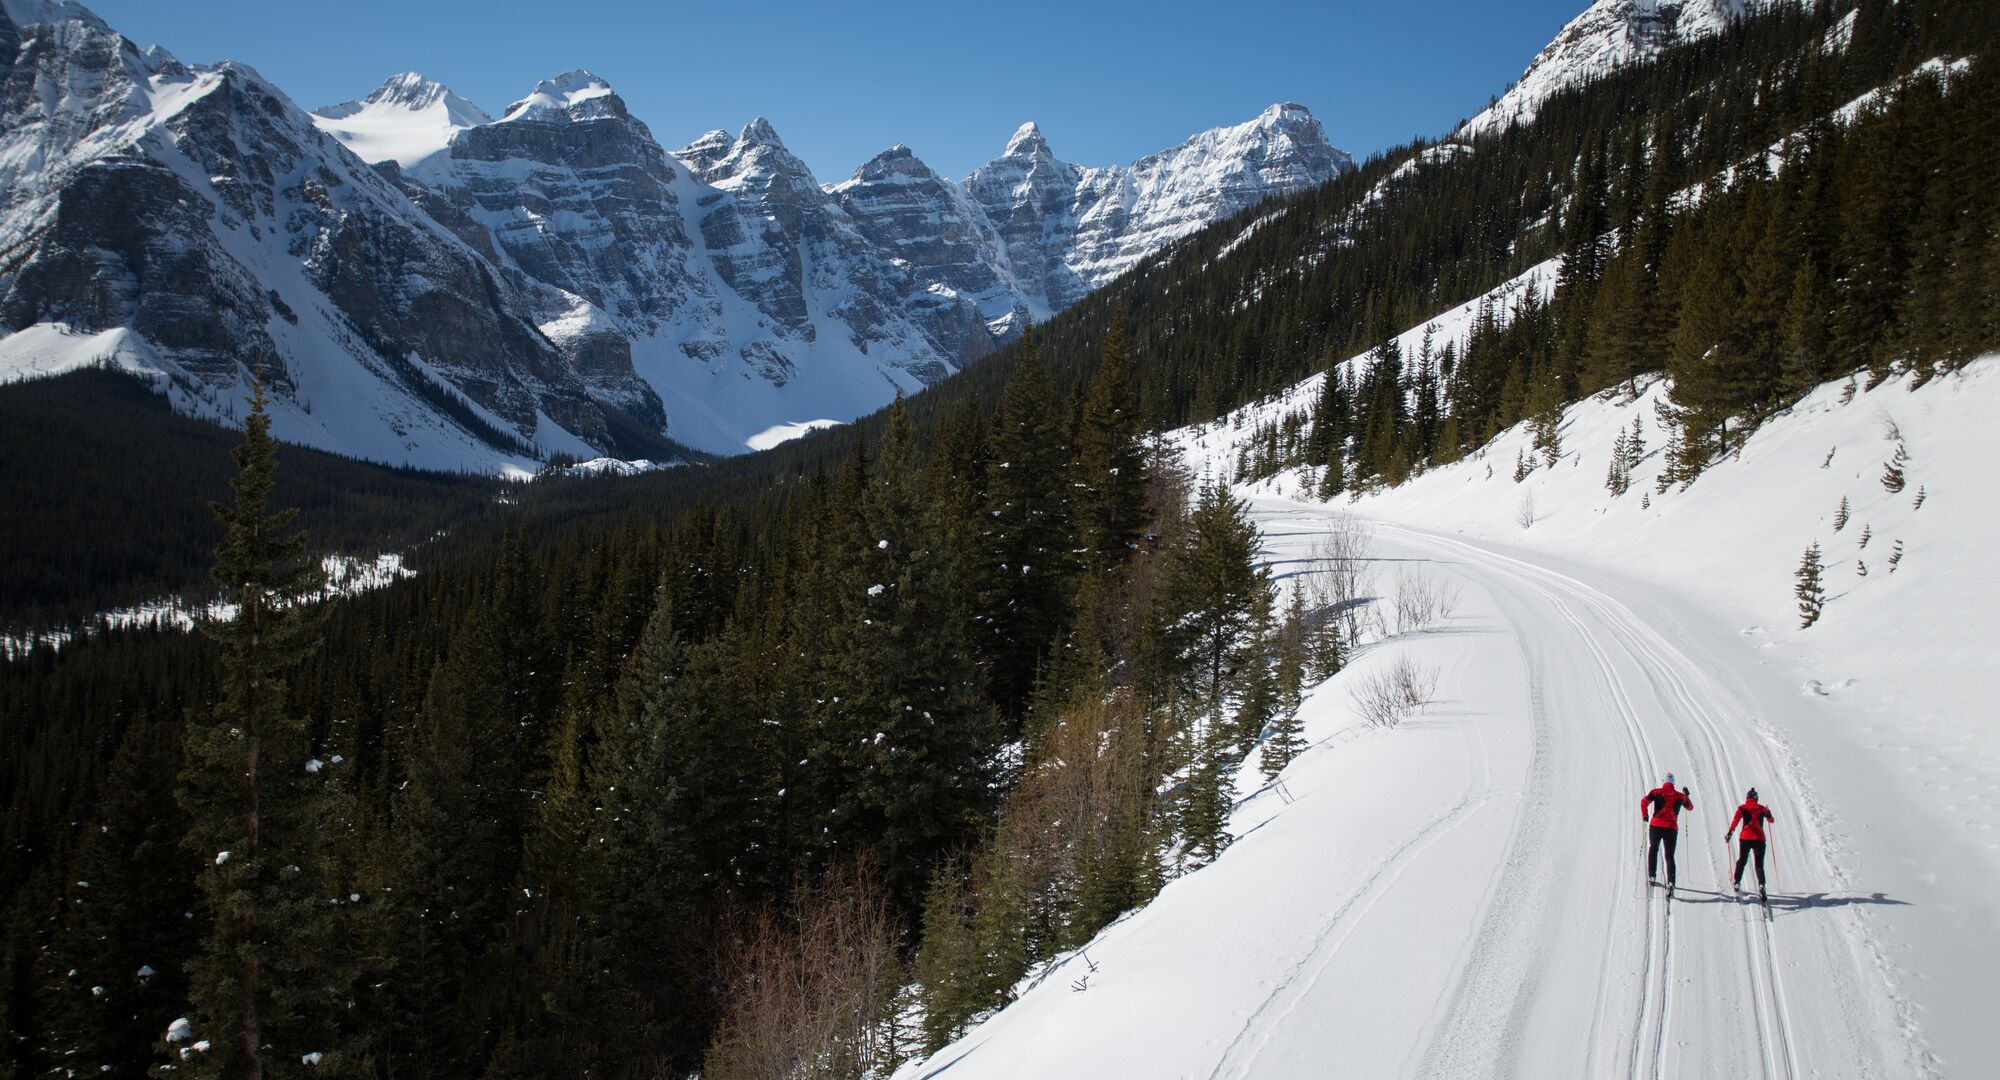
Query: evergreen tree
pixel 947 961
pixel 1286 738
pixel 1892 470
pixel 910 683
pixel 1619 479
pixel 452 859
pixel 1325 655
pixel 111 975
pixel 1210 601
pixel 1811 596
pixel 272 980
pixel 1111 479
pixel 1029 535
pixel 1205 801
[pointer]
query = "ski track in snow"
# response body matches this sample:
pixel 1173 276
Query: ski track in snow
pixel 1456 897
pixel 1690 704
pixel 1241 1058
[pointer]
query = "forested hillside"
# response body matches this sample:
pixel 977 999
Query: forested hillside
pixel 724 768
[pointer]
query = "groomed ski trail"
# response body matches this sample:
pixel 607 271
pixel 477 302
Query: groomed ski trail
pixel 1736 998
pixel 1453 897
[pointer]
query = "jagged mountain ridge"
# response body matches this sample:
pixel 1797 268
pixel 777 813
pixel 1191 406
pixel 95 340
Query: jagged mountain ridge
pixel 843 294
pixel 494 291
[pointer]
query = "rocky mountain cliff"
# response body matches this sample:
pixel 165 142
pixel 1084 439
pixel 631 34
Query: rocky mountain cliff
pixel 192 224
pixel 493 291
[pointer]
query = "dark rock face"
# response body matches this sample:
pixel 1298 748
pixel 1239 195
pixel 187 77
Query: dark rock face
pixel 902 207
pixel 118 256
pixel 190 225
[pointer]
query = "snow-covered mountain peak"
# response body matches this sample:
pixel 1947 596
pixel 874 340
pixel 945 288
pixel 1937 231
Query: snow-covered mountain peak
pixel 573 95
pixel 897 164
pixel 1285 146
pixel 759 132
pixel 1610 34
pixel 1027 141
pixel 1284 112
pixel 159 60
pixel 406 120
pixel 755 163
pixel 707 149
pixel 412 91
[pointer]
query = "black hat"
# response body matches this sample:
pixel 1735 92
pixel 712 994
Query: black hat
pixel 1753 795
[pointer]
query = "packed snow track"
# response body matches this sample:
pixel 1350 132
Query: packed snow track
pixel 1463 896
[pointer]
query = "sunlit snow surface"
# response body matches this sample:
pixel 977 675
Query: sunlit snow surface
pixel 783 433
pixel 1459 896
pixel 406 120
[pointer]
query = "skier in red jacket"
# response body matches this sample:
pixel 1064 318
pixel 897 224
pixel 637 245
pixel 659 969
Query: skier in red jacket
pixel 1751 816
pixel 1667 802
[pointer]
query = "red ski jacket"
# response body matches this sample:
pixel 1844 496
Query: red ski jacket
pixel 1751 815
pixel 1671 802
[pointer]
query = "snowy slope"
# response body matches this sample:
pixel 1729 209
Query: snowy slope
pixel 1610 34
pixel 1458 896
pixel 405 120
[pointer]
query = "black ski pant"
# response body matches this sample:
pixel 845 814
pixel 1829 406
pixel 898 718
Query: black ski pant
pixel 1743 852
pixel 1660 836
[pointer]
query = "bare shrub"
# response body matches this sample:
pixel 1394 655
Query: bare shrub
pixel 1423 601
pixel 1524 513
pixel 1342 578
pixel 1415 684
pixel 1387 695
pixel 811 986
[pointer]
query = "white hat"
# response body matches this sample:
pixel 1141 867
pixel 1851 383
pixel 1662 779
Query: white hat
pixel 1670 778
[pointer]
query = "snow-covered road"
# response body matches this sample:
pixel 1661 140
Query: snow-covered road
pixel 1561 978
pixel 1461 896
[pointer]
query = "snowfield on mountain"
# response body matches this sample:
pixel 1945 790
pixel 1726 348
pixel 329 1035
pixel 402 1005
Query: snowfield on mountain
pixel 1460 895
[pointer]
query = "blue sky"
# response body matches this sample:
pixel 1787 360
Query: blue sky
pixel 1108 82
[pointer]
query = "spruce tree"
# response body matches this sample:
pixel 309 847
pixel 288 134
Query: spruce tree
pixel 1892 470
pixel 1111 478
pixel 1205 801
pixel 1030 538
pixel 1209 603
pixel 1619 477
pixel 947 964
pixel 271 981
pixel 1811 596
pixel 452 857
pixel 1287 731
pixel 1325 655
